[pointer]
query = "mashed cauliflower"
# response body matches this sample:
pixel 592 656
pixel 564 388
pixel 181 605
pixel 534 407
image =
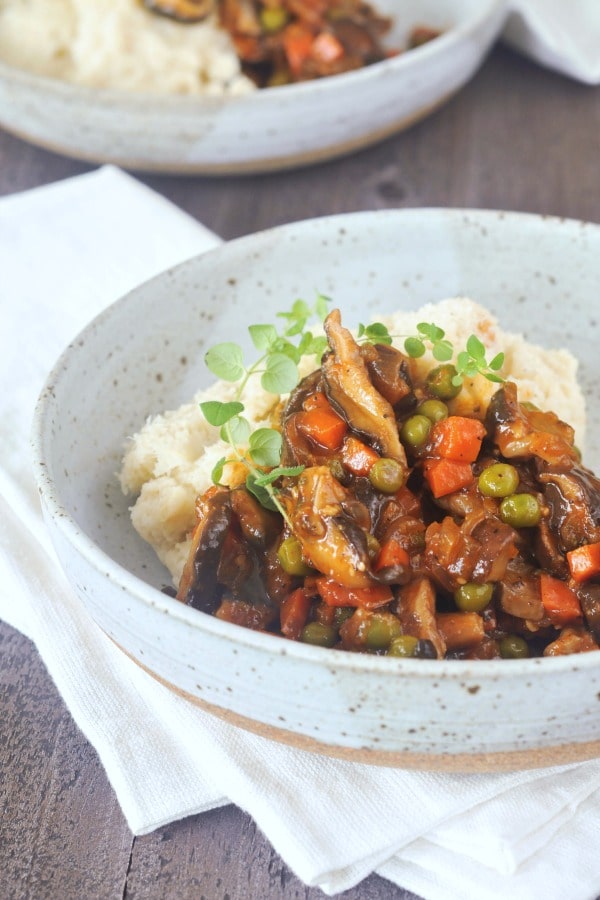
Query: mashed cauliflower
pixel 169 462
pixel 119 44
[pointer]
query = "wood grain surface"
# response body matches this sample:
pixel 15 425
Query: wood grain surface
pixel 517 137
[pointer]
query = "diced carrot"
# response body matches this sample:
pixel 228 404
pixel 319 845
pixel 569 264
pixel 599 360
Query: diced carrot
pixel 445 476
pixel 584 562
pixel 294 613
pixel 561 604
pixel 297 44
pixel 326 48
pixel 461 629
pixel 357 457
pixel 408 503
pixel 318 400
pixel 391 554
pixel 323 426
pixel 458 438
pixel 335 594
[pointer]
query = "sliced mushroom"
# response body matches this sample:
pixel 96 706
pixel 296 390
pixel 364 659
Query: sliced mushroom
pixel 182 10
pixel 521 433
pixel 389 371
pixel 351 391
pixel 519 592
pixel 325 519
pixel 416 611
pixel 259 526
pixel 198 586
pixel 573 495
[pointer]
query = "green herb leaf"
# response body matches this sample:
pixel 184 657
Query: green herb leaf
pixel 265 447
pixel 497 362
pixel 281 374
pixel 430 331
pixel 278 472
pixel 475 348
pixel 375 333
pixel 442 350
pixel 262 493
pixel 217 472
pixel 263 336
pixel 236 432
pixel 226 361
pixel 217 413
pixel 415 347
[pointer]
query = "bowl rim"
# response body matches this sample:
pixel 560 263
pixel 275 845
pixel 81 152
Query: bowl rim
pixel 482 671
pixel 68 90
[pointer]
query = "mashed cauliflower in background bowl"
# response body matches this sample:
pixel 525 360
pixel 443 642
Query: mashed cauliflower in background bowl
pixel 536 275
pixel 119 44
pixel 107 81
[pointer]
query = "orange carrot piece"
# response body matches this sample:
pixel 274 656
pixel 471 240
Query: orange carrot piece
pixel 461 629
pixel 326 48
pixel 458 438
pixel 445 476
pixel 561 604
pixel 334 594
pixel 293 613
pixel 318 400
pixel 357 457
pixel 323 426
pixel 584 562
pixel 391 554
pixel 297 45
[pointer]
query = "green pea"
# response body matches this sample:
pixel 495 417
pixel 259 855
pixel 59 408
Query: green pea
pixel 404 645
pixel 498 480
pixel 471 597
pixel 381 631
pixel 273 18
pixel 513 647
pixel 435 410
pixel 521 511
pixel 290 557
pixel 387 475
pixel 318 634
pixel 415 431
pixel 439 382
pixel 342 614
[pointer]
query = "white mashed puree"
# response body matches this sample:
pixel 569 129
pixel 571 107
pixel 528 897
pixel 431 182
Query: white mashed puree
pixel 169 462
pixel 119 44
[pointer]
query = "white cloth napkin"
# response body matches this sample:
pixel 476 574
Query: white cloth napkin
pixel 560 34
pixel 525 834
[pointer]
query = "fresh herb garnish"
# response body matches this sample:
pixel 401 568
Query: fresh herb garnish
pixel 375 333
pixel 469 362
pixel 277 367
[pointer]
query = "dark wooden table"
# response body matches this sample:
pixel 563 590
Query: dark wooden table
pixel 518 138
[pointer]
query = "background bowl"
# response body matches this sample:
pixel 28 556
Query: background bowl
pixel 275 128
pixel 144 355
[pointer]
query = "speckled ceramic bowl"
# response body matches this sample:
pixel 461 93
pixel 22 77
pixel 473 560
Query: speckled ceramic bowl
pixel 144 355
pixel 275 128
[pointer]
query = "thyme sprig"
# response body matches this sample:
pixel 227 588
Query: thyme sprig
pixel 277 368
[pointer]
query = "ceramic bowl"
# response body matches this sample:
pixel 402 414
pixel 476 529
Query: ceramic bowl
pixel 270 129
pixel 144 355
